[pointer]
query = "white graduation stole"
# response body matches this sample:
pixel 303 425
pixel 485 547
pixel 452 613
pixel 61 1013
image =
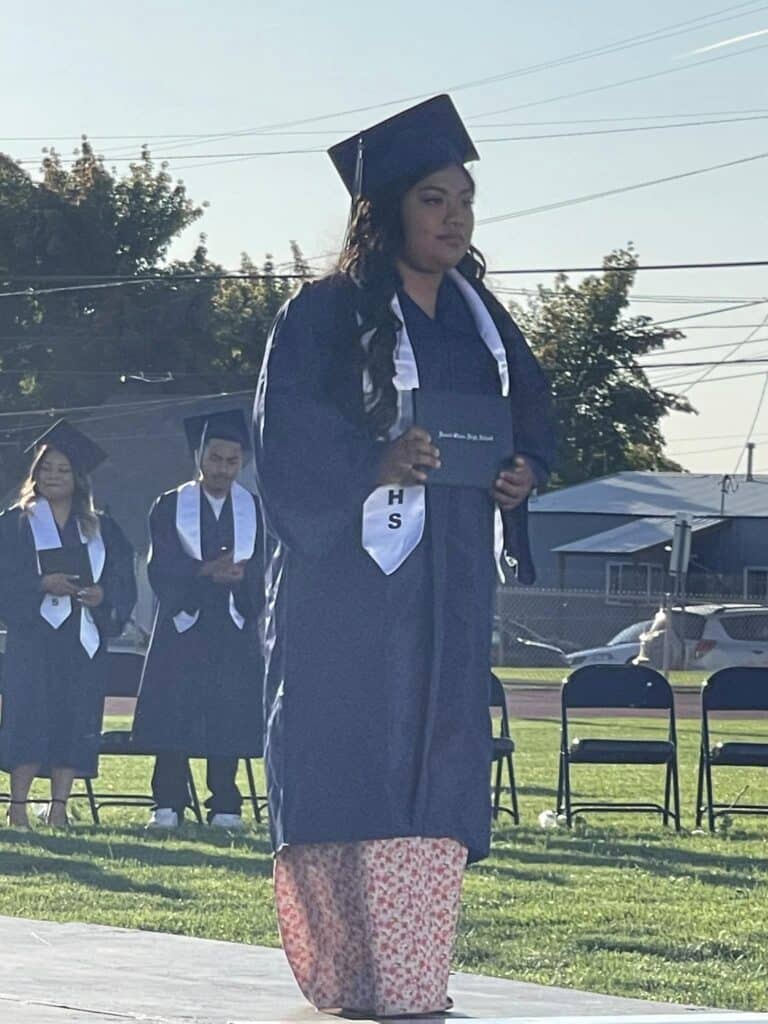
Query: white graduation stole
pixel 56 610
pixel 393 517
pixel 188 510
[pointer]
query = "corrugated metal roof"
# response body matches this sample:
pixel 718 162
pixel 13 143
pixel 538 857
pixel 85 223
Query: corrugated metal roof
pixel 645 493
pixel 638 536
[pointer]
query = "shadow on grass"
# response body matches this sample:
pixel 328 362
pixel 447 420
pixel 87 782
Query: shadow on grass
pixel 716 869
pixel 23 864
pixel 148 850
pixel 690 953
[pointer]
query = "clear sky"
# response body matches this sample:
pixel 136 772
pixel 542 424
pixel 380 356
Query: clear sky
pixel 225 74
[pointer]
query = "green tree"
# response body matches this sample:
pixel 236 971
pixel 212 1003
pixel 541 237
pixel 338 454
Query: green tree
pixel 608 411
pixel 65 341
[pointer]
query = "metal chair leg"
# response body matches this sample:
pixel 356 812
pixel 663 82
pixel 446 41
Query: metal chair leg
pixel 676 792
pixel 252 790
pixel 92 801
pixel 567 790
pixel 513 789
pixel 496 790
pixel 667 792
pixel 710 792
pixel 700 789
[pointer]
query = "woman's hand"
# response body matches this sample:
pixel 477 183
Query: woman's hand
pixel 91 597
pixel 513 486
pixel 59 584
pixel 408 458
pixel 229 575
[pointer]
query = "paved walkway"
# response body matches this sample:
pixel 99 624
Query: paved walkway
pixel 88 974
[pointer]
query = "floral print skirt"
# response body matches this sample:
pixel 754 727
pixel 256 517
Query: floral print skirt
pixel 369 926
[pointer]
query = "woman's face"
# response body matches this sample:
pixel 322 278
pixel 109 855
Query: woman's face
pixel 438 219
pixel 55 479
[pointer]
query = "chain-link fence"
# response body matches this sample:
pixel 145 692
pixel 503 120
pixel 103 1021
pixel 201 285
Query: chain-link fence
pixel 548 629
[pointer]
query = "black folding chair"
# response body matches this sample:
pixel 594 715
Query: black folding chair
pixel 123 676
pixel 618 687
pixel 503 753
pixel 730 689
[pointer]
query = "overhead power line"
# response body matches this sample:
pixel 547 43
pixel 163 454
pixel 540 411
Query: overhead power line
pixel 590 197
pixel 256 275
pixel 709 312
pixel 194 136
pixel 621 82
pixel 313 150
pixel 656 35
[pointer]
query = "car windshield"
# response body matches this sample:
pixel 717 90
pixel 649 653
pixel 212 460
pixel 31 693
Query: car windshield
pixel 630 634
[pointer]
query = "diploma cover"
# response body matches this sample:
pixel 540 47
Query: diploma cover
pixel 473 433
pixel 72 561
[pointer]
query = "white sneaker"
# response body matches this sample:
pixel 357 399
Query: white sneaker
pixel 233 822
pixel 163 817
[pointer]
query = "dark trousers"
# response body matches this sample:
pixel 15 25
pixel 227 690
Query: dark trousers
pixel 170 787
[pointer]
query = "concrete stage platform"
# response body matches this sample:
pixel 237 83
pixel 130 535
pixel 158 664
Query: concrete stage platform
pixel 87 974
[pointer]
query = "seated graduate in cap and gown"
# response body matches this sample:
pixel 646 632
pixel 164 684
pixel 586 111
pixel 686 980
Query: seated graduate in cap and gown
pixel 66 584
pixel 202 687
pixel 380 586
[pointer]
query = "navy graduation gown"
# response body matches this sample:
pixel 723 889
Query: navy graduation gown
pixel 202 690
pixel 53 693
pixel 377 686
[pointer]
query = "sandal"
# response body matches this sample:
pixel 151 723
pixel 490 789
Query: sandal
pixel 65 823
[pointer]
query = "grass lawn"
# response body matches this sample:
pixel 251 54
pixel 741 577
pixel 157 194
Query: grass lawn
pixel 621 905
pixel 550 676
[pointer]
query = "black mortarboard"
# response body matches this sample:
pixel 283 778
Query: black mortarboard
pixel 84 454
pixel 227 425
pixel 406 147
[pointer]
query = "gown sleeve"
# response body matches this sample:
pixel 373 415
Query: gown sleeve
pixel 173 574
pixel 535 435
pixel 20 592
pixel 118 580
pixel 314 466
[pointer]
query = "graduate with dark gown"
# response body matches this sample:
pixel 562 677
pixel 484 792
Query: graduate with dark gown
pixel 202 686
pixel 57 621
pixel 380 586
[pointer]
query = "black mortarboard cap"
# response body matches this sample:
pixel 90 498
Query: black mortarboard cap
pixel 226 425
pixel 407 147
pixel 84 454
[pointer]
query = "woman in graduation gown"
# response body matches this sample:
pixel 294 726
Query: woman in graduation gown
pixel 57 623
pixel 202 687
pixel 380 590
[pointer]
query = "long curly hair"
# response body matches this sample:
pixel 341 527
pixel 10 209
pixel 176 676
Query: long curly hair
pixel 372 244
pixel 82 498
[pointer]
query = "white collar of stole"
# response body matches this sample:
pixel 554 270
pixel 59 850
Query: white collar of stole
pixel 56 610
pixel 188 529
pixel 393 517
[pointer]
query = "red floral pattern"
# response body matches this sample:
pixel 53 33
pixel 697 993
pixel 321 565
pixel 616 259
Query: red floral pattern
pixel 369 926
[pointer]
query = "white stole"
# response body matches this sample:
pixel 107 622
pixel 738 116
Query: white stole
pixel 188 513
pixel 393 517
pixel 56 610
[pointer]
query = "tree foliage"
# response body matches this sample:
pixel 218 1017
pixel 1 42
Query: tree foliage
pixel 608 411
pixel 65 341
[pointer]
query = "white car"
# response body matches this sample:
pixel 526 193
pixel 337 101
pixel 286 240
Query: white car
pixel 709 637
pixel 620 650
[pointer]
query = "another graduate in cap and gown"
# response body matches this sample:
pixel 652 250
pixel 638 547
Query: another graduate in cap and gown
pixel 380 586
pixel 66 585
pixel 202 687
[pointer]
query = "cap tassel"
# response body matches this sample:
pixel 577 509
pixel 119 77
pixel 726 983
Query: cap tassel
pixel 357 190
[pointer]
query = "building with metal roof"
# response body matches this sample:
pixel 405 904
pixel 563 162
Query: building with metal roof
pixel 615 533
